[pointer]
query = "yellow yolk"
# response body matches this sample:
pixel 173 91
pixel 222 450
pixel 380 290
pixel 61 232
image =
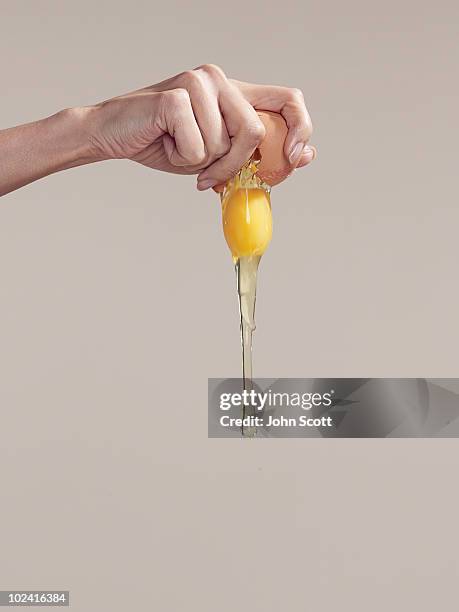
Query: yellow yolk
pixel 247 221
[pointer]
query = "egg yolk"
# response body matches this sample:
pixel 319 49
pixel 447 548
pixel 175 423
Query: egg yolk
pixel 247 221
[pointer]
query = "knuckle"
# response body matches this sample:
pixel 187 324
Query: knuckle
pixel 179 98
pixel 212 70
pixel 254 133
pixel 192 77
pixel 224 148
pixel 219 149
pixel 303 131
pixel 197 158
pixel 296 95
pixel 306 127
pixel 192 160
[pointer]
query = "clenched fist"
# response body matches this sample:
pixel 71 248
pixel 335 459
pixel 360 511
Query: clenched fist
pixel 199 122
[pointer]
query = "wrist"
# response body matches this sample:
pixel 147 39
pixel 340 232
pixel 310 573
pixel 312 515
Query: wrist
pixel 95 126
pixel 71 131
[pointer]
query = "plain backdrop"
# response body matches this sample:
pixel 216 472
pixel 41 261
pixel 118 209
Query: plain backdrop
pixel 117 302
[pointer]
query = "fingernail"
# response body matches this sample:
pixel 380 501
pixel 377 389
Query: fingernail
pixel 296 152
pixel 309 153
pixel 206 184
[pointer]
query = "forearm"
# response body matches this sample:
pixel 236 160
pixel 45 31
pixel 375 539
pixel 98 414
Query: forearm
pixel 34 150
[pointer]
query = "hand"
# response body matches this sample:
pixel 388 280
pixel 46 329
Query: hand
pixel 198 122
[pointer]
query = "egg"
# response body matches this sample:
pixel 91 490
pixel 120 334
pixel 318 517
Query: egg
pixel 247 221
pixel 273 166
pixel 246 204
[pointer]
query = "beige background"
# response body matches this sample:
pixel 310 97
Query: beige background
pixel 117 301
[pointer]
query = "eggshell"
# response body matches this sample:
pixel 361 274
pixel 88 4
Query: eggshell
pixel 274 167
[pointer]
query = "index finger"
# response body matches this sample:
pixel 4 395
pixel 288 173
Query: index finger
pixel 287 102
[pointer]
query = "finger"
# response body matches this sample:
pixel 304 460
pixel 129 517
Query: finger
pixel 204 101
pixel 182 139
pixel 155 156
pixel 290 104
pixel 246 132
pixel 309 154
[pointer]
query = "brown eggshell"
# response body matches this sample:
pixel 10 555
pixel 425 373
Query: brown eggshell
pixel 274 166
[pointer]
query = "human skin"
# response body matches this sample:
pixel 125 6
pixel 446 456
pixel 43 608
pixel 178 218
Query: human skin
pixel 198 122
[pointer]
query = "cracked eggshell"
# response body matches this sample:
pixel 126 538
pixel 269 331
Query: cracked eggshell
pixel 274 167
